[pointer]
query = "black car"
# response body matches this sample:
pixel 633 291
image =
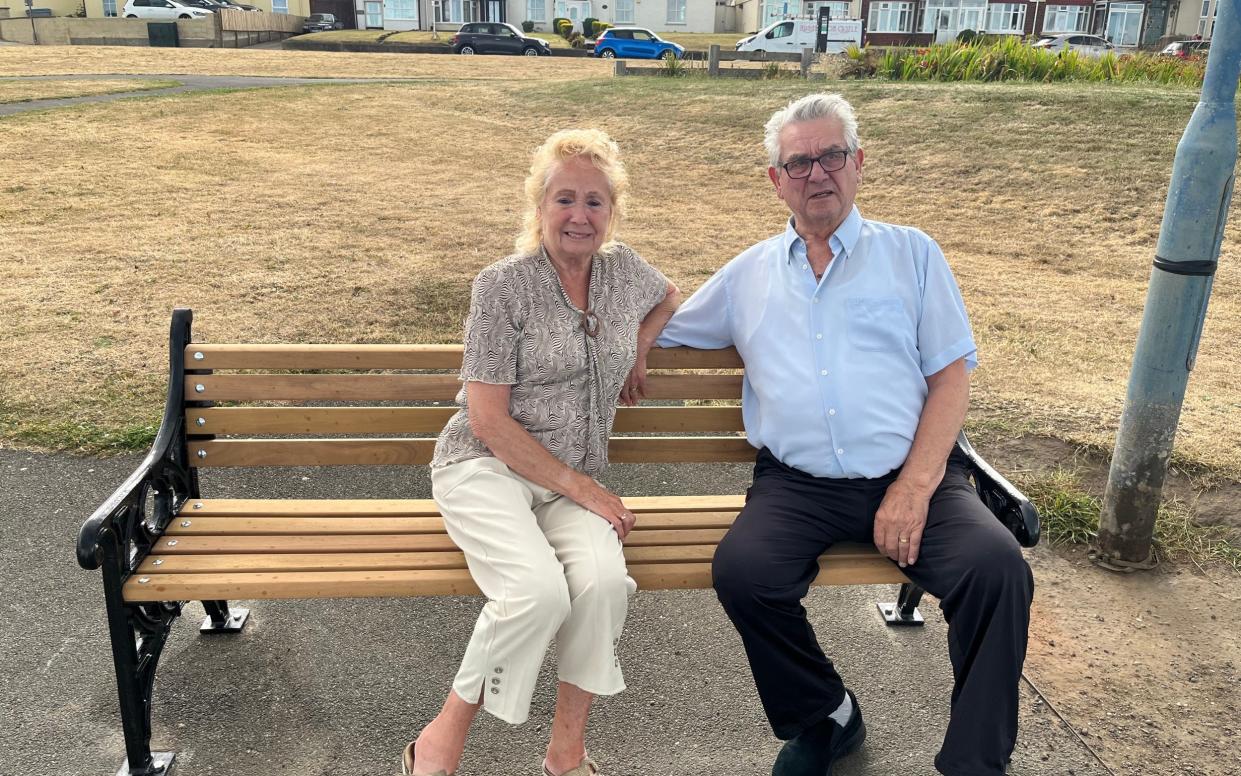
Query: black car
pixel 497 38
pixel 206 5
pixel 318 22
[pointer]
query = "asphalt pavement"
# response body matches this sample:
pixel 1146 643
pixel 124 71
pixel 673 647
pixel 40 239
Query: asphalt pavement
pixel 337 687
pixel 187 83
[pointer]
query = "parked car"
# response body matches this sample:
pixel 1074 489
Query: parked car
pixel 637 43
pixel 1091 45
pixel 1186 49
pixel 206 5
pixel 318 22
pixel 497 38
pixel 238 6
pixel 162 9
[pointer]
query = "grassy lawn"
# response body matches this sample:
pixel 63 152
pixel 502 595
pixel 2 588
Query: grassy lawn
pixel 12 90
pixel 1046 199
pixel 701 41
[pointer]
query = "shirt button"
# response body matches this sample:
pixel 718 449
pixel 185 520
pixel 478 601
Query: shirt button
pixel 499 670
pixel 495 691
pixel 823 372
pixel 805 266
pixel 831 412
pixel 818 336
pixel 839 451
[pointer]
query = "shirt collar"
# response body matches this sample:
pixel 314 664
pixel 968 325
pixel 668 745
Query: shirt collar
pixel 842 240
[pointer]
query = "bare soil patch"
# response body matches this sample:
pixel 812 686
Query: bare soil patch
pixel 1145 666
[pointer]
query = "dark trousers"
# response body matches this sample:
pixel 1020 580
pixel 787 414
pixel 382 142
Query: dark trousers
pixel 968 560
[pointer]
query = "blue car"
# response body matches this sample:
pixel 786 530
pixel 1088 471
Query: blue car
pixel 635 43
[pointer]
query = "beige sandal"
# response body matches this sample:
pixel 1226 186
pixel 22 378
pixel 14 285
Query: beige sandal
pixel 407 762
pixel 586 767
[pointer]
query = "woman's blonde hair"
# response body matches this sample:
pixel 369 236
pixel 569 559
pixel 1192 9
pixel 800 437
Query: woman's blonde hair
pixel 596 147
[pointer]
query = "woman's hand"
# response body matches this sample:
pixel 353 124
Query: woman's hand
pixel 604 503
pixel 634 389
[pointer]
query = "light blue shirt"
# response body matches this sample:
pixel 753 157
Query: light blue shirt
pixel 835 370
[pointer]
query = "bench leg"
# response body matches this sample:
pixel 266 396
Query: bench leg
pixel 138 632
pixel 222 619
pixel 905 610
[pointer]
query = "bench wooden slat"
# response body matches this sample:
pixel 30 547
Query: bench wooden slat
pixel 225 545
pixel 230 356
pixel 368 524
pixel 429 420
pixel 407 452
pixel 409 388
pixel 416 507
pixel 401 583
pixel 381 561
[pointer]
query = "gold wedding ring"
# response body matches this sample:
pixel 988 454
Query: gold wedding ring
pixel 903 541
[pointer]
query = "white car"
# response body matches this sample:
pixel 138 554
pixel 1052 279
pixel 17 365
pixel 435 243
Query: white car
pixel 1091 45
pixel 162 9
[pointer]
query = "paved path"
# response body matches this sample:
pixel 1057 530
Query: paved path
pixel 189 83
pixel 313 688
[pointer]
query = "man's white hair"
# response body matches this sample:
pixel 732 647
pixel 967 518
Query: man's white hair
pixel 810 108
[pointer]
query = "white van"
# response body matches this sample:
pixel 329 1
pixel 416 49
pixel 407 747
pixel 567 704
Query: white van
pixel 793 35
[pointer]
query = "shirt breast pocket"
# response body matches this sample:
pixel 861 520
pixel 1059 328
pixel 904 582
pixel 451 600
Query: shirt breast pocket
pixel 876 324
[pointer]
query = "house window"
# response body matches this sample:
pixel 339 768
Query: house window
pixel 1205 23
pixel 774 10
pixel 109 7
pixel 953 15
pixel 676 11
pixel 562 9
pixel 279 6
pixel 891 17
pixel 401 10
pixel 536 10
pixel 450 12
pixel 838 10
pixel 1067 18
pixel 1006 18
pixel 624 11
pixel 1124 23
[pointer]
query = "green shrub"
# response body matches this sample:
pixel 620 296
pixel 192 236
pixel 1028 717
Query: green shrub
pixel 527 26
pixel 588 26
pixel 1010 59
pixel 577 40
pixel 600 27
pixel 558 25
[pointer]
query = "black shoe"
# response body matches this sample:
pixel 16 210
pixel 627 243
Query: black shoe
pixel 814 751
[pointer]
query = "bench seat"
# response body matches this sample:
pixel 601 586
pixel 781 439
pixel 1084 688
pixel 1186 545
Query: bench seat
pixel 272 548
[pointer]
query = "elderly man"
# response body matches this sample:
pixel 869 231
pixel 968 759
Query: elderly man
pixel 857 351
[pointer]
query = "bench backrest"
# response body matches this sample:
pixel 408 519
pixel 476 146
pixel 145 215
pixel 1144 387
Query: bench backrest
pixel 326 405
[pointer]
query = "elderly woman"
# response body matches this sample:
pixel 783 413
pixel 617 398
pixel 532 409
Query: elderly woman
pixel 557 334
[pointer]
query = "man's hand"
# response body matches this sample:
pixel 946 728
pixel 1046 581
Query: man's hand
pixel 899 522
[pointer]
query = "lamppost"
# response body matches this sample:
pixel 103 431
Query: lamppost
pixel 1176 305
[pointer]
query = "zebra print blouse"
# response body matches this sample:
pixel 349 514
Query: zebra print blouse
pixel 566 366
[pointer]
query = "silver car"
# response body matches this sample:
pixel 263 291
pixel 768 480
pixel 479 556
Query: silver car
pixel 1091 45
pixel 162 9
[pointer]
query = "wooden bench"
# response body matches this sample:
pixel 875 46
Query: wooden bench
pixel 161 543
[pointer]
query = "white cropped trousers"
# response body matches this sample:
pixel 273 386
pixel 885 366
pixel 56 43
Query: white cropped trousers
pixel 549 568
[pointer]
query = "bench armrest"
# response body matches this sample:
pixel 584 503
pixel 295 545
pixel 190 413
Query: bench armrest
pixel 1000 496
pixel 123 517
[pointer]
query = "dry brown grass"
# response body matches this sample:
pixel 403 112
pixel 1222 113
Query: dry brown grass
pixel 87 60
pixel 12 90
pixel 360 214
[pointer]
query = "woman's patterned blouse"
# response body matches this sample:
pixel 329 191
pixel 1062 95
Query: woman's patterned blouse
pixel 566 366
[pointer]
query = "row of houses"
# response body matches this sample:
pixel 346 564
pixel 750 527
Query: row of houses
pixel 1127 23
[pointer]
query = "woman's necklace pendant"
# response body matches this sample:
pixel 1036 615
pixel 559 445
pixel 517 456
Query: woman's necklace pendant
pixel 590 323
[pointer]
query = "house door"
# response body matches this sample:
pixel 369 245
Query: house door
pixel 578 10
pixel 945 28
pixel 493 11
pixel 374 14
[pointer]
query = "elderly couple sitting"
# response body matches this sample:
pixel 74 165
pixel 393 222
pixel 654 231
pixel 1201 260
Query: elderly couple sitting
pixel 857 353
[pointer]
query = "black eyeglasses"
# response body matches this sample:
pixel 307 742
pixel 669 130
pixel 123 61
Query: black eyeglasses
pixel 830 161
